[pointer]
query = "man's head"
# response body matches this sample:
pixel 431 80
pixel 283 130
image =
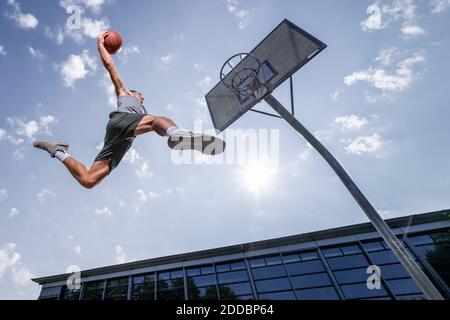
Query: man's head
pixel 138 95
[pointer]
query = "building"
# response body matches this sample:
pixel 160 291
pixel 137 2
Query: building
pixel 329 264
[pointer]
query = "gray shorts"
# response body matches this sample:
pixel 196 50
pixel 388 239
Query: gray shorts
pixel 119 137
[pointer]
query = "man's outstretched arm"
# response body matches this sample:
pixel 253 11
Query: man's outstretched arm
pixel 107 60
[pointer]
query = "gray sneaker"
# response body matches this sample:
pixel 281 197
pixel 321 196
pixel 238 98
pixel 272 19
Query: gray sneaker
pixel 204 143
pixel 51 147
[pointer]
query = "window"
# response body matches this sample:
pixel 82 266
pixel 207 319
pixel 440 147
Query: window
pixel 289 258
pixel 201 293
pixel 143 287
pixel 421 240
pixel 286 295
pixel 347 262
pixel 94 290
pixel 170 285
pixel 332 252
pixel 307 256
pixel 394 271
pixel 373 246
pixel 327 293
pixel 359 291
pixel 305 267
pixel 383 257
pixel 310 281
pixel 235 285
pixel 270 261
pixel 70 294
pixel 269 272
pixel 272 285
pixel 233 291
pixel 351 276
pixel 51 293
pixel 234 276
pixel 348 250
pixel 403 286
pixel 202 282
pixel 117 289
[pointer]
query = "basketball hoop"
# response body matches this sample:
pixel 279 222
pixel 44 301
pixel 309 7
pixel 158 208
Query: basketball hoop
pixel 241 74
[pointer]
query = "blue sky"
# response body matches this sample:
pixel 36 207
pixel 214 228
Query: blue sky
pixel 377 97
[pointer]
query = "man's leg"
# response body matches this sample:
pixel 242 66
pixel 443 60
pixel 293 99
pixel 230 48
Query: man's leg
pixel 153 123
pixel 88 178
pixel 180 139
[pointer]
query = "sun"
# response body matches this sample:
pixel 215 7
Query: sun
pixel 257 177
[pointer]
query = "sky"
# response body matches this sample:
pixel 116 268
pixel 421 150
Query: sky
pixel 377 97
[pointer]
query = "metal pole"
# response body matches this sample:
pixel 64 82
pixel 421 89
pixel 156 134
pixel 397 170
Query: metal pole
pixel 429 290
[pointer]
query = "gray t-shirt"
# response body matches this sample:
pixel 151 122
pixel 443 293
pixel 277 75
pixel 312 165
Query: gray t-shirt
pixel 129 104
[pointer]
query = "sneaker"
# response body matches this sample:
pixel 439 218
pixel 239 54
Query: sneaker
pixel 51 147
pixel 204 143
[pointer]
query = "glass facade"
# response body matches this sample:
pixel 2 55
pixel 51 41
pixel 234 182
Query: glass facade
pixel 324 273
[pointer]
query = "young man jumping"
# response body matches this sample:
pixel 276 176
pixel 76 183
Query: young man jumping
pixel 128 121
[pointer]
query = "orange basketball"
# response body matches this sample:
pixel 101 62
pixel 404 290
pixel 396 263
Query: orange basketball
pixel 113 41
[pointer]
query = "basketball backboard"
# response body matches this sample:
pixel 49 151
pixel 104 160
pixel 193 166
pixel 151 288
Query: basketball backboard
pixel 283 52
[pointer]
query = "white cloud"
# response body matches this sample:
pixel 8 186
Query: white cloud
pixel 141 165
pixel 243 15
pixel 335 96
pixel 57 35
pixel 412 30
pixel 439 6
pixel 94 5
pixel 124 54
pixel 10 261
pixel 108 88
pixel 23 128
pixel 205 83
pixel 36 54
pixel 399 80
pixel 386 56
pixel 104 211
pixel 132 156
pixel 3 195
pixel 373 144
pixel 77 67
pixel 45 195
pixel 120 255
pixel 143 171
pixel 146 196
pixel 374 21
pixel 2 51
pixel 2 134
pixel 21 276
pixel 13 212
pixel 165 61
pixel 23 20
pixel 198 66
pixel 351 122
pixel 92 28
pixel 77 249
pixel 382 13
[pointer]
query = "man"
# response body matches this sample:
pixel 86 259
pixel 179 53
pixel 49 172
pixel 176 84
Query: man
pixel 128 121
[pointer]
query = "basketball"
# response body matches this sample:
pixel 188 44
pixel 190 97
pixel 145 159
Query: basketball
pixel 113 41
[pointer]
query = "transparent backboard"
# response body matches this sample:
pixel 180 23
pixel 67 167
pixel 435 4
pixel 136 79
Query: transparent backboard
pixel 283 52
